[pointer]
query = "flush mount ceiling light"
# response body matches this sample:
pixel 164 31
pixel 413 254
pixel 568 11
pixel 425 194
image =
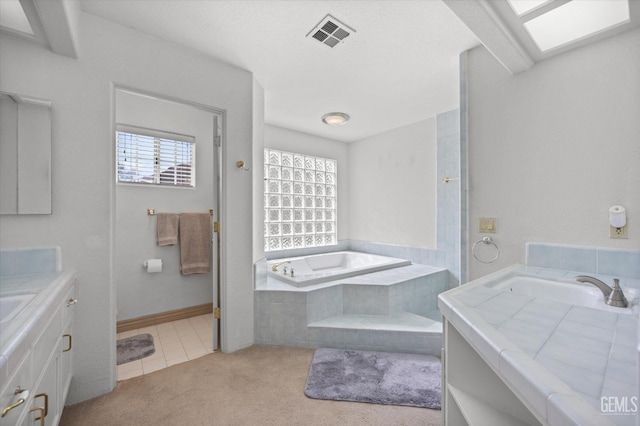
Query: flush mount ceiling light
pixel 335 118
pixel 330 31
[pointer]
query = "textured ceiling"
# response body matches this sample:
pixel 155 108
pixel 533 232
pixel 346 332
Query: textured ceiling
pixel 399 67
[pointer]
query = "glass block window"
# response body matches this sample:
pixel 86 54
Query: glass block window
pixel 145 156
pixel 299 201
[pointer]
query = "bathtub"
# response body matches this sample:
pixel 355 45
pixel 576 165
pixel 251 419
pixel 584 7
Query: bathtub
pixel 325 267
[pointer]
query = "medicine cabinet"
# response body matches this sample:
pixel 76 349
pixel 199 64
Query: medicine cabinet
pixel 25 154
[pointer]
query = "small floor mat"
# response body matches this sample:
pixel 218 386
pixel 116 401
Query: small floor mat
pixel 375 377
pixel 135 347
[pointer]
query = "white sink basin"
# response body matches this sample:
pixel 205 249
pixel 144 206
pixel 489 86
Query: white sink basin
pixel 10 306
pixel 563 292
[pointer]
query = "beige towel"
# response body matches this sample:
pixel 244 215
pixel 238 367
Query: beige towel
pixel 195 243
pixel 167 229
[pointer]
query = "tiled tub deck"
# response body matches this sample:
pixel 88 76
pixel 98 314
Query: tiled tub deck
pixel 393 310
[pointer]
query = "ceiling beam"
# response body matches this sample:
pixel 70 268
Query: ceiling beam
pixel 480 18
pixel 56 24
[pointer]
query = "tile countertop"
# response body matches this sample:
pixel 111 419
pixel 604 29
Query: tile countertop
pixel 17 336
pixel 561 358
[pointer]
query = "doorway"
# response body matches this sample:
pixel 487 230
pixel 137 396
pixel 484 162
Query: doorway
pixel 176 310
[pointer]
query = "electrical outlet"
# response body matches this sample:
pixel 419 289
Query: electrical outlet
pixel 618 233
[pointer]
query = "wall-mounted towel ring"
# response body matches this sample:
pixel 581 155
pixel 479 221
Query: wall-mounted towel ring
pixel 241 165
pixel 488 241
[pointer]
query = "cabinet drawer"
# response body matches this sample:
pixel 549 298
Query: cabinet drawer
pixel 23 379
pixel 47 342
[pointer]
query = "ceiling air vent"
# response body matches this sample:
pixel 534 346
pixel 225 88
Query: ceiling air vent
pixel 330 31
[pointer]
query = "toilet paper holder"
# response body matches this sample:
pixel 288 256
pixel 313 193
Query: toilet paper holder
pixel 152 265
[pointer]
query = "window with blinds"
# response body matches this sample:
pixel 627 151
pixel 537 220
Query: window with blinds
pixel 152 157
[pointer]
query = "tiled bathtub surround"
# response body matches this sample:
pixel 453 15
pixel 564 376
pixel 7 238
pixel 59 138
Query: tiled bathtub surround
pixel 28 261
pixel 594 260
pixel 449 194
pixel 342 245
pixel 385 311
pixel 422 256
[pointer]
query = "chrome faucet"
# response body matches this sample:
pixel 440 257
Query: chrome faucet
pixel 275 267
pixel 612 296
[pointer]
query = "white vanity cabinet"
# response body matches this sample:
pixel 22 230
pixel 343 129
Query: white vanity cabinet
pixel 15 390
pixel 473 393
pixel 65 349
pixel 516 352
pixel 46 368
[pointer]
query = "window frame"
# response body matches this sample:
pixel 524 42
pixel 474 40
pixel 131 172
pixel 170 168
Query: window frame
pixel 158 136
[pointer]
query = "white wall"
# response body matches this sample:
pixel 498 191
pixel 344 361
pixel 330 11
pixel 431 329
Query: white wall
pixel 258 171
pixel 293 141
pixel 551 149
pixel 392 186
pixel 140 293
pixel 83 217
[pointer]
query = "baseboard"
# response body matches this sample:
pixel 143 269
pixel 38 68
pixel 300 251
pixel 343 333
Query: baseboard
pixel 162 317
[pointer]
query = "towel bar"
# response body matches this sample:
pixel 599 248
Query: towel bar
pixel 152 212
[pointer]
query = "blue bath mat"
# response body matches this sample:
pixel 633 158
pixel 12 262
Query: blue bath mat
pixel 375 377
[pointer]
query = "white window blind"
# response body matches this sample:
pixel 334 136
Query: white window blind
pixel 300 197
pixel 146 156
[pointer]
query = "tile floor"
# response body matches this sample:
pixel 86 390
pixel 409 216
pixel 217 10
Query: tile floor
pixel 175 342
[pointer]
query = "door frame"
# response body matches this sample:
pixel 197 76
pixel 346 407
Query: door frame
pixel 219 124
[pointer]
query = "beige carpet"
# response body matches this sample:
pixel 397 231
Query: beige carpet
pixel 261 385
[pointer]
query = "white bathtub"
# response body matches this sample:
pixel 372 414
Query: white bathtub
pixel 325 267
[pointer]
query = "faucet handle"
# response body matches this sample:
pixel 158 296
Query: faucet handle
pixel 616 298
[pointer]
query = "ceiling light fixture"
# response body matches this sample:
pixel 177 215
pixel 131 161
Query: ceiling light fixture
pixel 335 118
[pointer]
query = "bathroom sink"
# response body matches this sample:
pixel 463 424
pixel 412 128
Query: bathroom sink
pixel 10 306
pixel 562 291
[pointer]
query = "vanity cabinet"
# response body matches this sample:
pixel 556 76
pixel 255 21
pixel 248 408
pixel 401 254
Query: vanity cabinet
pixel 46 369
pixel 516 353
pixel 15 390
pixel 473 394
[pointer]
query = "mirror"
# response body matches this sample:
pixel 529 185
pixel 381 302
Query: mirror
pixel 25 154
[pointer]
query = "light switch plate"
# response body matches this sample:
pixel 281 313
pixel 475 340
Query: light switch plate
pixel 487 225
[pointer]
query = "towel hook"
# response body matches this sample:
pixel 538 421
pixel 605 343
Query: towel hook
pixel 241 165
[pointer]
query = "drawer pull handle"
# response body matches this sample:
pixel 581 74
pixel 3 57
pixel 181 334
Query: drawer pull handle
pixel 42 415
pixel 70 342
pixel 24 395
pixel 72 301
pixel 46 403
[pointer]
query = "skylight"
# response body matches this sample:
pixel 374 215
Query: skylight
pixel 12 16
pixel 576 20
pixel 524 6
